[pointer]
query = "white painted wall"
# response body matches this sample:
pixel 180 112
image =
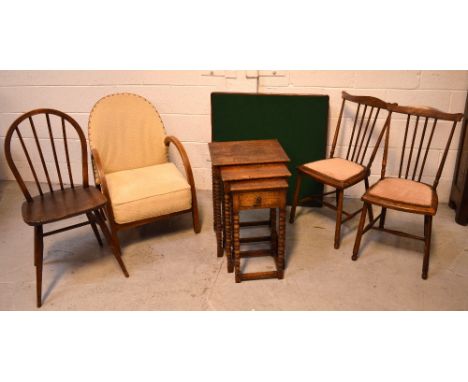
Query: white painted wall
pixel 183 99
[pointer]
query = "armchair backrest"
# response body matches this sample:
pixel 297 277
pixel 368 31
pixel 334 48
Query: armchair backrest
pixel 127 132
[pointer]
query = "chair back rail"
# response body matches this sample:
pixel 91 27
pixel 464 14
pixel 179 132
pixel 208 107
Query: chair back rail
pixel 29 121
pixel 421 124
pixel 365 120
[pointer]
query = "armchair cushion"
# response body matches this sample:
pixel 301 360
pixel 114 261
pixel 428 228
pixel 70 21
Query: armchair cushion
pixel 148 192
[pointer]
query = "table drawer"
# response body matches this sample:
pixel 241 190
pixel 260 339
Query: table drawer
pixel 260 199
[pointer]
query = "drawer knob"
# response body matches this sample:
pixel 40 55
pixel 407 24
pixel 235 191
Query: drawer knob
pixel 258 201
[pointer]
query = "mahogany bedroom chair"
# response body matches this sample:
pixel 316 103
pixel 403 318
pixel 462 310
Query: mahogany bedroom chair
pixel 129 148
pixel 409 191
pixel 67 193
pixel 346 170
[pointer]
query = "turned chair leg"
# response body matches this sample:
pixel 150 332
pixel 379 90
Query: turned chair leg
pixel 112 240
pixel 360 229
pixel 427 244
pixel 339 213
pixel 297 191
pixel 382 218
pixel 92 221
pixel 370 211
pixel 38 259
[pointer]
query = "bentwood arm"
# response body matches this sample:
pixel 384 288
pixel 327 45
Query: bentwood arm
pixel 183 154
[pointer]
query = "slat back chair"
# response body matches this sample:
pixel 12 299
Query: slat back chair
pixel 59 191
pixel 369 117
pixel 409 189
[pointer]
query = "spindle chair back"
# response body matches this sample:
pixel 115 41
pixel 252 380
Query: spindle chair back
pixel 421 125
pixel 26 128
pixel 364 112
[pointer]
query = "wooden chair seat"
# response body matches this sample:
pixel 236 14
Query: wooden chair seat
pixel 58 205
pixel 335 172
pixel 403 195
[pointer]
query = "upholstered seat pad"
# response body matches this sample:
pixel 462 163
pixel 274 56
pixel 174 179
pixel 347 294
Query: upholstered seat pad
pixel 403 191
pixel 336 168
pixel 148 192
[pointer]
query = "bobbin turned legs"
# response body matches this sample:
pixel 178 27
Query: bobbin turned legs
pixel 263 194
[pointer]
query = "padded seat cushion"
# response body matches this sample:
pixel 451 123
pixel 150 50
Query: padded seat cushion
pixel 148 192
pixel 403 191
pixel 336 168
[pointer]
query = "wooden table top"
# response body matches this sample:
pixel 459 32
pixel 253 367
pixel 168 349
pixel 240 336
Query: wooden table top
pixel 247 152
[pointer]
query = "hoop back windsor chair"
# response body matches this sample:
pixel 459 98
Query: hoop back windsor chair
pixel 64 195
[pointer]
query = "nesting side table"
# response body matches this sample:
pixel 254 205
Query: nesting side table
pixel 257 194
pixel 252 187
pixel 238 153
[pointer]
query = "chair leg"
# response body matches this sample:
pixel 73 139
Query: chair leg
pixel 103 215
pixel 427 244
pixel 339 213
pixel 360 229
pixel 92 221
pixel 112 240
pixel 297 191
pixel 370 211
pixel 195 216
pixel 38 257
pixel 382 217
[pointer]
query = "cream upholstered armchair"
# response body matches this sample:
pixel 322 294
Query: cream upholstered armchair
pixel 129 149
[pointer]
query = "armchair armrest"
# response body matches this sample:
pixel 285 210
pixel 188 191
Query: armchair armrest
pixel 188 168
pixel 183 154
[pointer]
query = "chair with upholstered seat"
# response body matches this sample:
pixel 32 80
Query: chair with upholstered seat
pixel 130 153
pixel 352 165
pixel 409 191
pixel 47 136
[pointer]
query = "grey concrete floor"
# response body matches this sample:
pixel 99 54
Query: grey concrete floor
pixel 172 268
